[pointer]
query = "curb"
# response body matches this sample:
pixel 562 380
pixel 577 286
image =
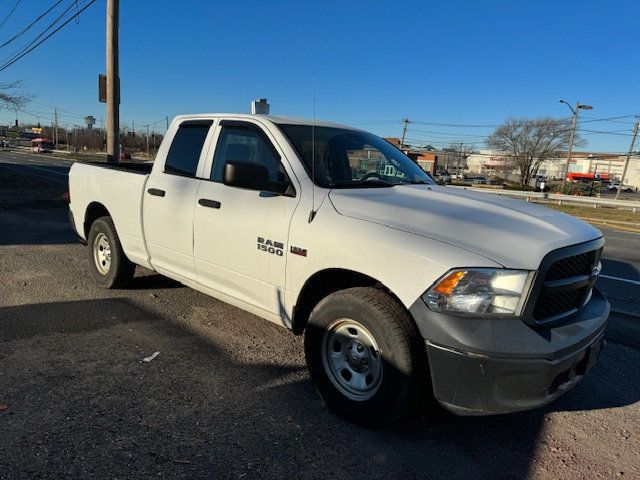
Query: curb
pixel 620 228
pixel 611 222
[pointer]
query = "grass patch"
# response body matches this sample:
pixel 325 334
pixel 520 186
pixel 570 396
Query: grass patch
pixel 600 213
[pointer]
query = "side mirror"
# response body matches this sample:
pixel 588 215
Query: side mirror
pixel 253 177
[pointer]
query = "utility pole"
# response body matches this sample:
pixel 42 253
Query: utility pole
pixel 103 134
pixel 167 120
pixel 574 123
pixel 147 140
pixel 571 137
pixel 406 122
pixel 113 82
pixel 55 131
pixel 626 162
pixel 66 130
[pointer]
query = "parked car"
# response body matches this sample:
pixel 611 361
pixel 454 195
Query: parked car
pixel 397 283
pixel 445 177
pixel 125 156
pixel 614 186
pixel 480 180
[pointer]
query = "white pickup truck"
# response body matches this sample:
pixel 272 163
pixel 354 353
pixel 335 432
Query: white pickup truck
pixel 402 288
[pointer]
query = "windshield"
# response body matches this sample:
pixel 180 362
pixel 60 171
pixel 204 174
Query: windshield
pixel 347 158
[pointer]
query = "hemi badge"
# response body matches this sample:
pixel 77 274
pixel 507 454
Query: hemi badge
pixel 299 251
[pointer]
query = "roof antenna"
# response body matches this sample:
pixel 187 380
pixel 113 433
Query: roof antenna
pixel 312 213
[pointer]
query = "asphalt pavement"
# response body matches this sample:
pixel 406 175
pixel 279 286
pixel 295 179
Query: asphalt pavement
pixel 50 167
pixel 228 396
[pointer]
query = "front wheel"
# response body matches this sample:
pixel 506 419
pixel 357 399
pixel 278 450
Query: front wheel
pixel 365 355
pixel 110 266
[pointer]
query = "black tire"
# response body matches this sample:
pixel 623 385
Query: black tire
pixel 116 272
pixel 400 348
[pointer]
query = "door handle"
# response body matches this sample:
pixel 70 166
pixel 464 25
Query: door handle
pixel 205 202
pixel 156 191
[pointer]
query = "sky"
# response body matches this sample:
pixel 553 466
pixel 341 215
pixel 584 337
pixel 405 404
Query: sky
pixel 456 69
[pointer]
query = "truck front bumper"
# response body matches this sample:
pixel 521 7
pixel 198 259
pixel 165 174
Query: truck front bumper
pixel 491 366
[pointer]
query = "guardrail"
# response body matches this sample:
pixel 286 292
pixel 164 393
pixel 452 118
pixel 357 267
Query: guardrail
pixel 558 198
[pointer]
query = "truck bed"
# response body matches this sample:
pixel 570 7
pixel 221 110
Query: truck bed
pixel 117 188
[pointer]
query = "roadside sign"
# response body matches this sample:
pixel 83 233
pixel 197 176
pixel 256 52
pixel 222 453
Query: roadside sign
pixel 102 89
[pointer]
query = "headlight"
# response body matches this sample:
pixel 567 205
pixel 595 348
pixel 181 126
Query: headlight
pixel 479 291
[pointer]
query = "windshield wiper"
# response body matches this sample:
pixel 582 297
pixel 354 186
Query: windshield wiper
pixel 414 182
pixel 362 184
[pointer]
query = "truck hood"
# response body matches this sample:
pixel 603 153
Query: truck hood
pixel 511 232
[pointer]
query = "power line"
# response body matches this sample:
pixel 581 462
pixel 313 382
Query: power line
pixel 461 125
pixel 25 29
pixel 430 132
pixel 600 132
pixel 10 13
pixel 25 52
pixel 71 114
pixel 441 142
pixel 609 119
pixel 153 123
pixel 33 41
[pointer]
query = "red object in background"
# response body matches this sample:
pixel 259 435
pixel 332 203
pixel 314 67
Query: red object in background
pixel 576 177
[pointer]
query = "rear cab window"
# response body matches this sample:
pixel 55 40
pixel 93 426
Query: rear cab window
pixel 186 147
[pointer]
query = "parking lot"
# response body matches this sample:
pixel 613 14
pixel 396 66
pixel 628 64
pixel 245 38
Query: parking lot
pixel 229 395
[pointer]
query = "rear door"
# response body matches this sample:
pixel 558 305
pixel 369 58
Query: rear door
pixel 241 235
pixel 169 200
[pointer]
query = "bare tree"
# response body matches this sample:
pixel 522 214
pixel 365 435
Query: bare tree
pixel 527 143
pixel 455 156
pixel 13 95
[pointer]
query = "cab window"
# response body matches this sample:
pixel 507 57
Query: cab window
pixel 185 149
pixel 240 144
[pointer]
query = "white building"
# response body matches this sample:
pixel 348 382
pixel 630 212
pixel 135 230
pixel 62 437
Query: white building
pixel 488 162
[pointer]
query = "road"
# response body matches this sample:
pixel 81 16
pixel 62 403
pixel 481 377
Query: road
pixel 53 168
pixel 229 396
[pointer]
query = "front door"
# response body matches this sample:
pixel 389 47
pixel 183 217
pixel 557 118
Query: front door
pixel 241 235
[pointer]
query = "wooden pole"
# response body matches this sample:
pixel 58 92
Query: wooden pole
pixel 113 83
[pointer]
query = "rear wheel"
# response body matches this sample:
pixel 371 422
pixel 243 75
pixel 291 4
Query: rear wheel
pixel 365 355
pixel 109 264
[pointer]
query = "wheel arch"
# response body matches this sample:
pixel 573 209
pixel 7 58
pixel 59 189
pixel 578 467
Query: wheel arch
pixel 94 211
pixel 326 282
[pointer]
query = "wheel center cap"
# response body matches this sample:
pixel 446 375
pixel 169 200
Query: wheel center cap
pixel 352 358
pixel 358 358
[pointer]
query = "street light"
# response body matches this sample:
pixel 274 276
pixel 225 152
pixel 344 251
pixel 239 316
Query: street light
pixel 575 111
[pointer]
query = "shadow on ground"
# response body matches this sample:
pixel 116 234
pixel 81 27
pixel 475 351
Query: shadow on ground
pixel 83 404
pixel 622 295
pixel 621 269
